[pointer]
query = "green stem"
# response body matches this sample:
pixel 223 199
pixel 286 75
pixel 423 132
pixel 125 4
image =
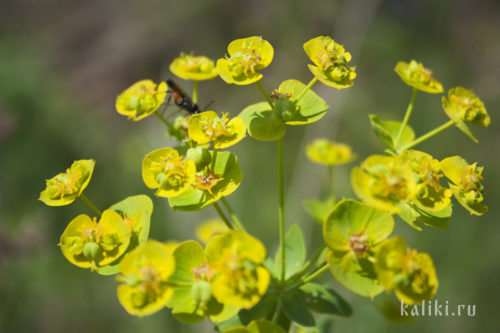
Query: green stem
pixel 308 265
pixel 331 190
pixel 165 121
pixel 320 270
pixel 306 89
pixel 281 207
pixel 426 136
pixel 223 216
pixel 407 117
pixel 195 91
pixel 90 204
pixel 235 218
pixel 268 99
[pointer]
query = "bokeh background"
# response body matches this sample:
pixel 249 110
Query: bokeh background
pixel 62 64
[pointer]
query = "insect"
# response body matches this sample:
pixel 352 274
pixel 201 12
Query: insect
pixel 181 99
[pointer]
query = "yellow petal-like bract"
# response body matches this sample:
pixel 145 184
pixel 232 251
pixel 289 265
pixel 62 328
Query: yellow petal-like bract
pixel 141 99
pixel 207 126
pixel 190 67
pixel 326 152
pixel 417 76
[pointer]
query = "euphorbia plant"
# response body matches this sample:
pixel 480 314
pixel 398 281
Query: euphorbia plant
pixel 233 281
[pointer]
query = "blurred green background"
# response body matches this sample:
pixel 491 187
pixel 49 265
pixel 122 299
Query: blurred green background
pixel 62 64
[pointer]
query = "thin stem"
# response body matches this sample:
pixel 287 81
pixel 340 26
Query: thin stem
pixel 235 218
pixel 281 206
pixel 165 121
pixel 320 270
pixel 268 99
pixel 306 89
pixel 223 216
pixel 426 136
pixel 407 117
pixel 308 264
pixel 331 190
pixel 195 91
pixel 90 204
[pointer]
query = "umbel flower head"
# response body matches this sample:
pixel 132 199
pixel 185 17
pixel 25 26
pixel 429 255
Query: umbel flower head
pixel 207 126
pixel 246 56
pixel 64 188
pixel 417 76
pixel 326 152
pixel 145 271
pixel 170 173
pixel 87 243
pixel 410 273
pixel 190 67
pixel 330 60
pixel 141 99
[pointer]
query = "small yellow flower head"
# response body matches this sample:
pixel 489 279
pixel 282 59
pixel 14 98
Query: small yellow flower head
pixel 88 244
pixel 326 152
pixel 431 195
pixel 170 173
pixel 189 67
pixel 246 55
pixel 331 61
pixel 467 187
pixel 207 179
pixel 241 279
pixel 209 229
pixel 64 188
pixel 141 99
pixel 145 271
pixel 412 274
pixel 417 76
pixel 384 182
pixel 207 126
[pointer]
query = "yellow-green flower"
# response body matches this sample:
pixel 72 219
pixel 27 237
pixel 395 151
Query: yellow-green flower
pixel 209 229
pixel 430 196
pixel 412 274
pixel 246 56
pixel 141 99
pixel 207 126
pixel 170 173
pixel 189 67
pixel 241 278
pixel 326 152
pixel 384 182
pixel 466 187
pixel 89 244
pixel 331 61
pixel 145 271
pixel 463 106
pixel 258 326
pixel 64 188
pixel 417 76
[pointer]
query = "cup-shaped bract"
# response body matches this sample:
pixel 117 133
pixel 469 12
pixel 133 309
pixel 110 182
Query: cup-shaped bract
pixel 257 326
pixel 384 182
pixel 410 273
pixel 330 62
pixel 196 68
pixel 209 229
pixel 141 99
pixel 467 187
pixel 64 188
pixel 170 173
pixel 246 56
pixel 87 243
pixel 241 278
pixel 145 271
pixel 324 151
pixel 417 76
pixel 207 126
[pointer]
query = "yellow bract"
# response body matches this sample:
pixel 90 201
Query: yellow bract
pixel 145 271
pixel 246 55
pixel 209 229
pixel 141 99
pixel 417 76
pixel 207 126
pixel 384 182
pixel 326 152
pixel 166 170
pixel 241 279
pixel 88 244
pixel 331 61
pixel 64 188
pixel 189 67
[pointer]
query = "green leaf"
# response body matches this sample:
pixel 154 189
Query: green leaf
pixel 295 252
pixel 319 209
pixel 387 131
pixel 324 300
pixel 416 216
pixel 262 123
pixel 294 306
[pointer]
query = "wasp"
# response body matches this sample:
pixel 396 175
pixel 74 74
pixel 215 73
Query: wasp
pixel 181 99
